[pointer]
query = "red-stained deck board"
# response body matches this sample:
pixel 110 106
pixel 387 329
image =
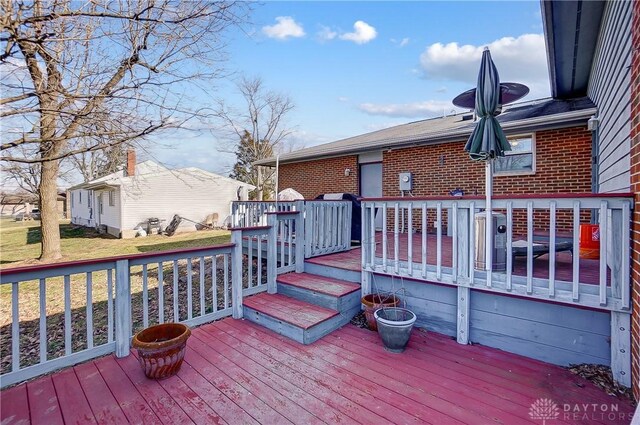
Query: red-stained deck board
pixel 71 399
pixel 359 391
pixel 253 405
pixel 275 408
pixel 104 407
pixel 43 402
pixel 411 411
pixel 160 401
pixel 235 362
pixel 314 386
pixel 133 405
pixel 289 310
pixel 320 284
pixel 198 398
pixel 555 383
pixel 14 408
pixel 390 384
pixel 238 372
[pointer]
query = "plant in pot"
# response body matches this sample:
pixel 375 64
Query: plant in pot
pixel 161 349
pixel 373 302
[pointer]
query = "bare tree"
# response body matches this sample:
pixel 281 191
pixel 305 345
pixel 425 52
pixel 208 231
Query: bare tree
pixel 257 128
pixel 83 76
pixel 95 164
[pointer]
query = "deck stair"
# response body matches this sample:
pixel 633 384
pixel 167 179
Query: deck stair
pixel 306 307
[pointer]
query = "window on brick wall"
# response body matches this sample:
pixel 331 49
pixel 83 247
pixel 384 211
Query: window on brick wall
pixel 521 159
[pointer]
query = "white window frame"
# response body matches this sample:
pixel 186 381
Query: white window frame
pixel 79 197
pixel 533 157
pixel 112 198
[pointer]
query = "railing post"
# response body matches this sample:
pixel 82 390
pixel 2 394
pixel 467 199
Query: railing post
pixel 347 225
pixel 464 227
pixel 236 274
pixel 272 253
pixel 365 276
pixel 300 233
pixel 123 309
pixel 308 228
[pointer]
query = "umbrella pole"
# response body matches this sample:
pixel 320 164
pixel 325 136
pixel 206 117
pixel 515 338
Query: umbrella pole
pixel 277 177
pixel 489 220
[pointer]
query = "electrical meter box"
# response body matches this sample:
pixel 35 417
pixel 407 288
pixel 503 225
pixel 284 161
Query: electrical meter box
pixel 406 181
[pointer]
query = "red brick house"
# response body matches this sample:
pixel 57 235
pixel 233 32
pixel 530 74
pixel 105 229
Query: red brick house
pixel 586 138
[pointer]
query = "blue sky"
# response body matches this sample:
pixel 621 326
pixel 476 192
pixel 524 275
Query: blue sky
pixel 354 67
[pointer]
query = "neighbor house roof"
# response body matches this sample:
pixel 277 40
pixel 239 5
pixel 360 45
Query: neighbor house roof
pixel 150 169
pixel 529 116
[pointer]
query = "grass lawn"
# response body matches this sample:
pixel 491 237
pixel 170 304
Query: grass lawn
pixel 20 242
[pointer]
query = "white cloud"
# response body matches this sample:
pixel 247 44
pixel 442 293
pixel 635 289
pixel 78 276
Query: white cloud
pixel 402 42
pixel 363 33
pixel 428 108
pixel 521 59
pixel 343 99
pixel 442 89
pixel 326 33
pixel 285 27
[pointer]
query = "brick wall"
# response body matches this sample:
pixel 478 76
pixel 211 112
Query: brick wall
pixel 563 164
pixel 635 187
pixel 313 178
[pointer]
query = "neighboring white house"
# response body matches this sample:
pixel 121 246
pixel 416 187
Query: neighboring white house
pixel 122 201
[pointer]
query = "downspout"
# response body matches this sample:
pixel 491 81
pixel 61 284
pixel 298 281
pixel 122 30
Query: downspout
pixel 120 205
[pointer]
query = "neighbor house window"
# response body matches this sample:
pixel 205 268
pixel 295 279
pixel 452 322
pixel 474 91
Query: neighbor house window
pixel 112 198
pixel 80 196
pixel 72 198
pixel 521 159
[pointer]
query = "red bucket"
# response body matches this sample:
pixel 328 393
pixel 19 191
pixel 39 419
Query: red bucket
pixel 590 241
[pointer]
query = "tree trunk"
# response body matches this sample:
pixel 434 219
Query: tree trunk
pixel 49 225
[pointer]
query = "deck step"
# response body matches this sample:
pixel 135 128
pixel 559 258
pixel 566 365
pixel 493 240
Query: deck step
pixel 324 291
pixel 298 320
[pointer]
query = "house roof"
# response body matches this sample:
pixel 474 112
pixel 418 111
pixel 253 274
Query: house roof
pixel 571 30
pixel 150 169
pixel 529 116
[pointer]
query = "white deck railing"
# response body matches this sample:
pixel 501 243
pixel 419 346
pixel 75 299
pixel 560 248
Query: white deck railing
pixel 404 249
pixel 327 223
pixel 254 213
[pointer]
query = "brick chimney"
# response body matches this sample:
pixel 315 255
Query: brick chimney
pixel 131 162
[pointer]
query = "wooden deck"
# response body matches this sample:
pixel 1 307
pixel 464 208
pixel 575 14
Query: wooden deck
pixel 351 260
pixel 238 373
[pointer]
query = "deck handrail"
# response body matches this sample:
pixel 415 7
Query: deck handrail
pixel 615 208
pixel 327 222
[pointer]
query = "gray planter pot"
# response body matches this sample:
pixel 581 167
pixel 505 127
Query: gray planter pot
pixel 394 327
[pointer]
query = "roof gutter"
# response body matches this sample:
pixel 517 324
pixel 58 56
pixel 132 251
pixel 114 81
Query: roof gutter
pixel 565 119
pixel 547 25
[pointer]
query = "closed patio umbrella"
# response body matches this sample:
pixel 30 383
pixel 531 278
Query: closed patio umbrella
pixel 487 141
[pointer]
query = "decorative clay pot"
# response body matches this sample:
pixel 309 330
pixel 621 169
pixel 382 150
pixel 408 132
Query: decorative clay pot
pixel 161 349
pixel 394 327
pixel 372 302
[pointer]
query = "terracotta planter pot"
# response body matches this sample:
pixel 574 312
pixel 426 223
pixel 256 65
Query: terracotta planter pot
pixel 161 349
pixel 372 302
